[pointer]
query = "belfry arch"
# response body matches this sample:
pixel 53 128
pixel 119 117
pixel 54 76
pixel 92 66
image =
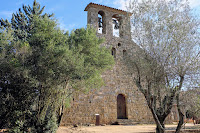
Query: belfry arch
pixel 116 25
pixel 101 22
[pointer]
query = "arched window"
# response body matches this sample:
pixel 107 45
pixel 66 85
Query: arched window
pixel 101 22
pixel 124 53
pixel 119 45
pixel 116 25
pixel 113 52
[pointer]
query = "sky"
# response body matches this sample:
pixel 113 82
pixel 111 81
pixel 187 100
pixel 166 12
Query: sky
pixel 69 13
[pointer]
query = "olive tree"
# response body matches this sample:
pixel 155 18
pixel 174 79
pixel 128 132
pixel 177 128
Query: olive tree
pixel 190 99
pixel 166 58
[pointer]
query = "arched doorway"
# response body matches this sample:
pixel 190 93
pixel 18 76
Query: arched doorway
pixel 121 107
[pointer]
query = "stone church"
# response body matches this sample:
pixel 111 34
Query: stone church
pixel 119 99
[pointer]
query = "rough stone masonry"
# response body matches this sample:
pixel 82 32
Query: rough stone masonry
pixel 119 98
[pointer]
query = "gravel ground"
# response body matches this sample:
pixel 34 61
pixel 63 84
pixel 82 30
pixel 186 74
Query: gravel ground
pixel 119 129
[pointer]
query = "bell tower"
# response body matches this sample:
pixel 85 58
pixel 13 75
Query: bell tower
pixel 109 22
pixel 119 99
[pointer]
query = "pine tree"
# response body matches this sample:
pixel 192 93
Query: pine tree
pixel 21 21
pixel 41 66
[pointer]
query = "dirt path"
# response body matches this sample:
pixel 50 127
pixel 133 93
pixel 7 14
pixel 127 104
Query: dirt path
pixel 116 129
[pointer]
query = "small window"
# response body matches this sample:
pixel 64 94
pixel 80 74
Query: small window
pixel 119 44
pixel 114 52
pixel 124 53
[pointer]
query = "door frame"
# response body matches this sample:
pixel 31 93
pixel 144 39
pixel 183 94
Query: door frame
pixel 125 104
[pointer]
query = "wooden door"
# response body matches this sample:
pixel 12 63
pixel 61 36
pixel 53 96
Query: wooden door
pixel 121 107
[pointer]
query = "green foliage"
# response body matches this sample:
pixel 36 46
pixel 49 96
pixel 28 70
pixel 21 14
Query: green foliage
pixel 15 102
pixel 17 128
pixel 48 125
pixel 51 124
pixel 166 57
pixel 85 42
pixel 21 22
pixel 40 66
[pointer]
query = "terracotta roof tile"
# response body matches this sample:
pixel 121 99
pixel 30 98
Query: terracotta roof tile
pixel 94 4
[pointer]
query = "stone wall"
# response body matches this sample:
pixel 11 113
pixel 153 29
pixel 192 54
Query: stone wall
pixel 119 80
pixel 103 101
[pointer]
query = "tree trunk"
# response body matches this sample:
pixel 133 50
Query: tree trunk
pixel 61 110
pixel 180 123
pixel 159 122
pixel 181 116
pixel 159 129
pixel 60 115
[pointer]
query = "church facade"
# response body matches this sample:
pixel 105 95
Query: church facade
pixel 119 99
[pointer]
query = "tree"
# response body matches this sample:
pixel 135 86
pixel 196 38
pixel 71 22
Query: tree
pixel 87 73
pixel 42 67
pixel 166 57
pixel 190 99
pixel 15 102
pixel 21 21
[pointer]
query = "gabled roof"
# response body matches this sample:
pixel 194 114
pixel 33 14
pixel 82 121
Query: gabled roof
pixel 106 7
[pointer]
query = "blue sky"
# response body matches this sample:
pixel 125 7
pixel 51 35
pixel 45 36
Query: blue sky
pixel 70 13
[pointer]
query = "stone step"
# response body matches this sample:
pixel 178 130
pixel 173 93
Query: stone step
pixel 126 122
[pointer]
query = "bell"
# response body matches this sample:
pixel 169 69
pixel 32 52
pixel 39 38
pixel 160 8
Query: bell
pixel 116 23
pixel 100 23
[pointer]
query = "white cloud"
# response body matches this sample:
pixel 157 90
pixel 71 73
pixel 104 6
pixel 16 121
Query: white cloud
pixel 54 8
pixel 99 1
pixel 62 24
pixel 6 14
pixel 194 3
pixel 71 26
pixel 122 4
pixel 106 2
pixel 65 27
